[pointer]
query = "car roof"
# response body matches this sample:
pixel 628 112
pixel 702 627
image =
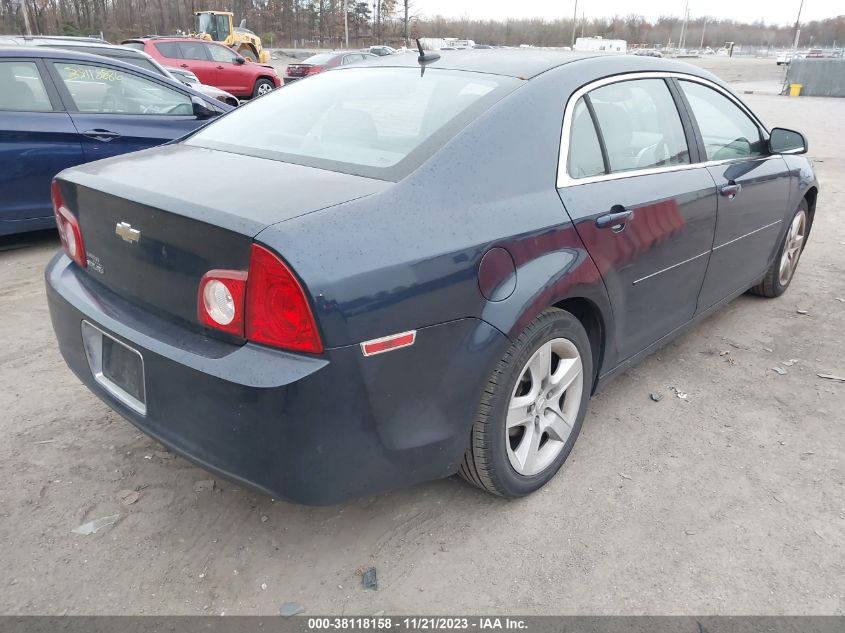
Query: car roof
pixel 526 63
pixel 75 43
pixel 57 52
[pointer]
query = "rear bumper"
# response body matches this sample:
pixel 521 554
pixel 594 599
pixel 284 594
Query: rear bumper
pixel 290 80
pixel 313 430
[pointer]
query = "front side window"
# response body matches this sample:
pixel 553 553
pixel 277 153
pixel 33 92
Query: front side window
pixel 726 130
pixel 584 157
pixel 169 49
pixel 21 88
pixel 377 122
pixel 640 125
pixel 104 90
pixel 222 54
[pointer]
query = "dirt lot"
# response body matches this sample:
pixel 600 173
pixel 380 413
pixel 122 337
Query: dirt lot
pixel 729 502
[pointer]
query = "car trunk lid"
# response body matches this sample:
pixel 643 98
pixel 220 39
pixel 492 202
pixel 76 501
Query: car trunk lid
pixel 155 222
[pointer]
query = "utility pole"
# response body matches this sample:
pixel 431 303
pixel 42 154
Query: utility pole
pixel 574 23
pixel 797 30
pixel 25 12
pixel 346 24
pixel 703 29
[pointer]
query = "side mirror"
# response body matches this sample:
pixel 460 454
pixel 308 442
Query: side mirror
pixel 783 141
pixel 202 109
pixel 240 60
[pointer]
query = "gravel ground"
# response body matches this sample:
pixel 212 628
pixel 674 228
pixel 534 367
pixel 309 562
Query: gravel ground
pixel 728 502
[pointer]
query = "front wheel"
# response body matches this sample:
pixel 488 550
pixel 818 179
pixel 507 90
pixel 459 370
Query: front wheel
pixel 532 408
pixel 262 87
pixel 780 273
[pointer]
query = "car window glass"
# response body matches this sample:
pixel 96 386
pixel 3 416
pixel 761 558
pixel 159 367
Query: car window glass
pixel 319 59
pixel 221 54
pixel 361 120
pixel 640 125
pixel 22 89
pixel 169 49
pixel 193 50
pixel 138 46
pixel 726 130
pixel 100 89
pixel 584 157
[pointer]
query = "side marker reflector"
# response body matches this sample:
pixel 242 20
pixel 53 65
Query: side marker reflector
pixel 388 343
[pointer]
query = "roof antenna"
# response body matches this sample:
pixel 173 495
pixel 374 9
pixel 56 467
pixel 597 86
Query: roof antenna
pixel 424 57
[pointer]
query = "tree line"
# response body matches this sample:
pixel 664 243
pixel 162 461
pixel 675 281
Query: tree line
pixel 320 23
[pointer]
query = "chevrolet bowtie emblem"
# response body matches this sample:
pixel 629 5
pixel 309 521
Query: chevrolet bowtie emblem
pixel 126 232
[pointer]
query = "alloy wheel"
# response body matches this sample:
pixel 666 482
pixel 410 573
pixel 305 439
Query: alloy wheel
pixel 264 88
pixel 544 406
pixel 792 247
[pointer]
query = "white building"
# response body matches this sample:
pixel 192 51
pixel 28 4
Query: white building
pixel 593 44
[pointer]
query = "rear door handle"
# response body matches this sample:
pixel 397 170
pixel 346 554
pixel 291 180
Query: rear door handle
pixel 615 220
pixel 101 135
pixel 183 65
pixel 219 67
pixel 730 190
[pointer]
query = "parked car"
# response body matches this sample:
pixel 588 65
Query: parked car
pixel 120 53
pixel 784 58
pixel 60 108
pixel 381 51
pixel 214 64
pixel 406 311
pixel 324 61
pixel 815 53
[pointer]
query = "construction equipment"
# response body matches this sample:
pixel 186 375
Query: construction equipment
pixel 218 26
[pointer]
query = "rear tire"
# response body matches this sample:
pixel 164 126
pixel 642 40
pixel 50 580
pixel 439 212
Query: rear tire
pixel 531 409
pixel 780 273
pixel 262 87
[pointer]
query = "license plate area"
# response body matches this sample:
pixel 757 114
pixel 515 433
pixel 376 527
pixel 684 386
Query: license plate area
pixel 118 368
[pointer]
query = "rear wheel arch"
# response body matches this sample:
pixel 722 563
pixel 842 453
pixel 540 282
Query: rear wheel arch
pixel 591 318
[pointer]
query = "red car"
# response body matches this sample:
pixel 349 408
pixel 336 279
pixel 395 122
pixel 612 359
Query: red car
pixel 323 61
pixel 214 64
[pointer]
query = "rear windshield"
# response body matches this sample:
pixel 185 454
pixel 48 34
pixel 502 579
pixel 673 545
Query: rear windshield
pixel 319 59
pixel 138 46
pixel 375 122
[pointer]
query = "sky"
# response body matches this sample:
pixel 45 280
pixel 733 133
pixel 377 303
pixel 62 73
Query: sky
pixel 772 11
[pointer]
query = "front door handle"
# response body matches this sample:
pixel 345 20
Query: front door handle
pixel 730 190
pixel 219 67
pixel 615 220
pixel 101 135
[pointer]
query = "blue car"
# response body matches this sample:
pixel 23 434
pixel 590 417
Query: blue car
pixel 468 247
pixel 60 108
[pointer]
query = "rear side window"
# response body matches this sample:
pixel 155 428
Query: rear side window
pixel 377 122
pixel 726 130
pixel 640 125
pixel 22 89
pixel 584 157
pixel 169 49
pixel 104 90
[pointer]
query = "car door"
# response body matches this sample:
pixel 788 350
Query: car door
pixel 754 188
pixel 191 56
pixel 644 208
pixel 231 75
pixel 37 141
pixel 117 111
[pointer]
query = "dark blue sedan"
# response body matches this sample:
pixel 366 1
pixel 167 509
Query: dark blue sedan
pixel 467 248
pixel 60 108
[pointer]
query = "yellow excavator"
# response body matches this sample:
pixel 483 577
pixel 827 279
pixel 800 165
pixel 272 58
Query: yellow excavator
pixel 219 26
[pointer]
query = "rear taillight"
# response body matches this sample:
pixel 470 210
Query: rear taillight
pixel 68 227
pixel 220 303
pixel 266 305
pixel 313 70
pixel 277 310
